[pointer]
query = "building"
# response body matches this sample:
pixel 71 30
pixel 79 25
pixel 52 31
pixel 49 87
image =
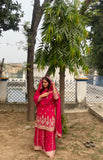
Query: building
pixel 11 69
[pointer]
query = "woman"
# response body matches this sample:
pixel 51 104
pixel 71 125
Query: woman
pixel 47 124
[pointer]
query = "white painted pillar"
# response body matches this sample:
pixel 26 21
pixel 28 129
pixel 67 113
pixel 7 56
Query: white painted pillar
pixel 81 89
pixel 24 75
pixel 3 91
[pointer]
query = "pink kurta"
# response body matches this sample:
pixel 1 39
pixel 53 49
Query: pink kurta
pixel 47 123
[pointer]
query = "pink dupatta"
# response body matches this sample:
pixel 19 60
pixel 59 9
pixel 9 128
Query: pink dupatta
pixel 57 104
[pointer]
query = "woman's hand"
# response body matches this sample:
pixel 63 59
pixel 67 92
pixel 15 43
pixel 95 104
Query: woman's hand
pixel 44 94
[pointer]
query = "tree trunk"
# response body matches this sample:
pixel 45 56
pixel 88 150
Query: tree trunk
pixel 1 68
pixel 30 82
pixel 32 32
pixel 62 89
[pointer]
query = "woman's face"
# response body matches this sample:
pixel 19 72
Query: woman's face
pixel 45 83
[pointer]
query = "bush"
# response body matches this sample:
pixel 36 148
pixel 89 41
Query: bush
pixel 64 124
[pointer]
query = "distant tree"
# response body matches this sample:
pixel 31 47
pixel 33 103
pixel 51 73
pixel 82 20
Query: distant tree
pixel 10 15
pixel 95 59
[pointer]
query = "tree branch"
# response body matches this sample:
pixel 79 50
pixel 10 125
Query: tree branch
pixel 37 14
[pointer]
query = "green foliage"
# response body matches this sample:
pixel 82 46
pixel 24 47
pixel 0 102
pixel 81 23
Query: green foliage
pixel 10 15
pixel 64 124
pixel 95 59
pixel 63 37
pixel 20 73
pixel 28 66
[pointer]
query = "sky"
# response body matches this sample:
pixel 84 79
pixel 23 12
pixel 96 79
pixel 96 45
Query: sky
pixel 12 43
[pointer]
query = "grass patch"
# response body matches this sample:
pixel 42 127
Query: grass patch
pixel 99 139
pixel 75 148
pixel 74 135
pixel 62 147
pixel 100 150
pixel 73 125
pixel 95 156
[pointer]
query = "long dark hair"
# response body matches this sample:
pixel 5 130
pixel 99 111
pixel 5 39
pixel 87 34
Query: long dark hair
pixel 49 84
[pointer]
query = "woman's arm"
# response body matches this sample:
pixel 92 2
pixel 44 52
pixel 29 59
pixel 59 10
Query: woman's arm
pixel 55 94
pixel 43 95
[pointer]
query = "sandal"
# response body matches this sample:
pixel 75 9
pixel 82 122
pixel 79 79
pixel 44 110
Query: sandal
pixel 87 144
pixel 92 144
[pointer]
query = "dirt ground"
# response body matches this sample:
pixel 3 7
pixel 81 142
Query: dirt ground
pixel 16 138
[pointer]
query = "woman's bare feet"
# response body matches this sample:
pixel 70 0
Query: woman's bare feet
pixel 51 157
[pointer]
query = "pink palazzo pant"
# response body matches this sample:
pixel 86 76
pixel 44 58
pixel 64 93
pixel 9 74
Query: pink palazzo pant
pixel 45 140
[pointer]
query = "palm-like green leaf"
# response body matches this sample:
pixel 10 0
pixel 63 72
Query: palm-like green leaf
pixel 63 36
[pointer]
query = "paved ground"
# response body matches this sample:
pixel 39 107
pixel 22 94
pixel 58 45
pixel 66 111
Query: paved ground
pixel 75 110
pixel 97 111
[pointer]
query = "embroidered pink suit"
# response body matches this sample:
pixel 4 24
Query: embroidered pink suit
pixel 47 122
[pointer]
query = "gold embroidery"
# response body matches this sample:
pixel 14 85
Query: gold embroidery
pixel 45 123
pixel 45 127
pixel 43 139
pixel 48 153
